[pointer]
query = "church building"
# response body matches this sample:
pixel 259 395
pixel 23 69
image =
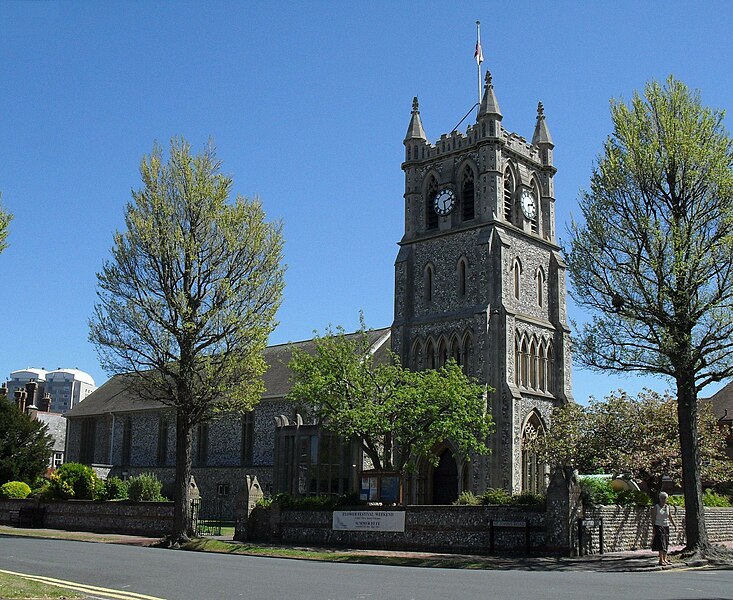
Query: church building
pixel 479 278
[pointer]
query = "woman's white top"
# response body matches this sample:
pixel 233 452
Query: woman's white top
pixel 662 515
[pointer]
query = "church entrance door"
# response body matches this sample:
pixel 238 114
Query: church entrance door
pixel 445 479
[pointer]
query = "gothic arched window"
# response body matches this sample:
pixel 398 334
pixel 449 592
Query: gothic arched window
pixel 540 286
pixel 533 365
pixel 517 278
pixel 462 269
pixel 534 470
pixel 468 193
pixel 467 352
pixel 442 354
pixel 430 355
pixel 416 356
pixel 550 370
pixel 524 363
pixel 455 350
pixel 428 277
pixel 508 195
pixel 542 360
pixel 431 217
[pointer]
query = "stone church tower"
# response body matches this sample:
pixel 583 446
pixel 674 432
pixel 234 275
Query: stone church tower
pixel 479 278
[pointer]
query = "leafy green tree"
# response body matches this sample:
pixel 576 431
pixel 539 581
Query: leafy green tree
pixel 397 415
pixel 74 480
pixel 189 297
pixel 5 218
pixel 652 259
pixel 635 437
pixel 25 445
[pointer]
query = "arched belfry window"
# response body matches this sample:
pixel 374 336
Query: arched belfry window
pixel 468 193
pixel 534 470
pixel 428 283
pixel 550 370
pixel 462 274
pixel 431 217
pixel 509 186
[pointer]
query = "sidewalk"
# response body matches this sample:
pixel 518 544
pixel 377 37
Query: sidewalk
pixel 637 560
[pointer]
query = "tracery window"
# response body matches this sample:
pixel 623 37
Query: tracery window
pixel 534 470
pixel 467 353
pixel 416 357
pixel 430 355
pixel 468 193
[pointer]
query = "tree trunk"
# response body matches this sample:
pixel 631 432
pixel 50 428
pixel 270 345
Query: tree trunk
pixel 695 530
pixel 182 527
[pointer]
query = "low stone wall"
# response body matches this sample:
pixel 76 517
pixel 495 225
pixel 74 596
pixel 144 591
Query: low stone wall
pixel 466 529
pixel 629 527
pixel 150 519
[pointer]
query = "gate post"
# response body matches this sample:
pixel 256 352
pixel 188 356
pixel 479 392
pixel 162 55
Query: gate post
pixel 246 500
pixel 564 508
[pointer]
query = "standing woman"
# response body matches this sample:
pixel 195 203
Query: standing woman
pixel 661 519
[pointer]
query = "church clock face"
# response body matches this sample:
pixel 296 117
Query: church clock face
pixel 444 201
pixel 529 206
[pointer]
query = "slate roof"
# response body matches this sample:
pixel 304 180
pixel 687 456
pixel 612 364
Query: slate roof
pixel 114 397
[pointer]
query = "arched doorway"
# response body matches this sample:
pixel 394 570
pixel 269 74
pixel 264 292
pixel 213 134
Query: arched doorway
pixel 445 479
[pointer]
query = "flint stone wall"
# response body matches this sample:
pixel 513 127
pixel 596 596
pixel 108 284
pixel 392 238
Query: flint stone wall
pixel 463 529
pixel 630 528
pixel 150 519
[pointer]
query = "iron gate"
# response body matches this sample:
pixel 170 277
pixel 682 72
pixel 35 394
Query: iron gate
pixel 206 516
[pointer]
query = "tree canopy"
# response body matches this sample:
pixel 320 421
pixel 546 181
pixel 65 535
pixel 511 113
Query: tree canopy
pixel 5 218
pixel 188 299
pixel 635 437
pixel 25 445
pixel 398 415
pixel 651 259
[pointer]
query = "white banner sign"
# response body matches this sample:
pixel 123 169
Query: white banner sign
pixel 368 520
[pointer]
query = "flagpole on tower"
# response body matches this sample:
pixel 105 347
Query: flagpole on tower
pixel 479 56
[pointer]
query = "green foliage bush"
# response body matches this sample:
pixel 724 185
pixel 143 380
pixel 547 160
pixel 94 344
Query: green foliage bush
pixel 312 502
pixel 529 499
pixel 145 488
pixel 597 492
pixel 467 499
pixel 674 501
pixel 633 498
pixel 710 498
pixel 115 489
pixel 496 496
pixel 15 489
pixel 73 480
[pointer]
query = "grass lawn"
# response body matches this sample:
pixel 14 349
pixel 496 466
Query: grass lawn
pixel 19 588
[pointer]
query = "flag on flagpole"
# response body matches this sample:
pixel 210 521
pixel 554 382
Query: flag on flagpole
pixel 478 55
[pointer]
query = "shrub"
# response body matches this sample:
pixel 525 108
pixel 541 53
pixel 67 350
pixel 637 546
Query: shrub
pixel 710 498
pixel 468 499
pixel 312 502
pixel 529 499
pixel 496 496
pixel 634 498
pixel 73 480
pixel 115 489
pixel 597 491
pixel 674 501
pixel 15 489
pixel 144 488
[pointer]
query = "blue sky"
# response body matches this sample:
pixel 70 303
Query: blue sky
pixel 307 103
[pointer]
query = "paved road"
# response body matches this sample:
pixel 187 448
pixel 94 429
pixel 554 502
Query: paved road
pixel 177 575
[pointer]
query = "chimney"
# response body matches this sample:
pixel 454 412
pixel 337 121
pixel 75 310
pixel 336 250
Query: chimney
pixel 45 403
pixel 20 396
pixel 30 390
